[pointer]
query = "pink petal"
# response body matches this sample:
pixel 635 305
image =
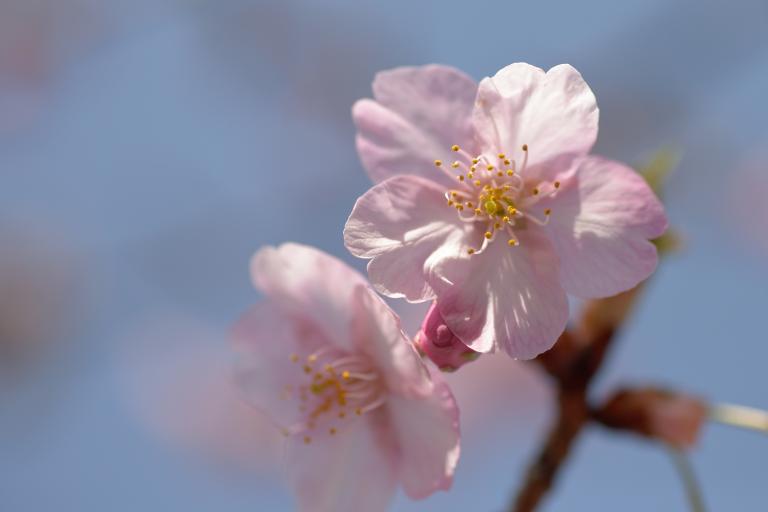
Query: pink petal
pixel 309 284
pixel 511 297
pixel 353 471
pixel 416 240
pixel 602 217
pixel 428 432
pixel 378 334
pixel 419 113
pixel 554 113
pixel 265 338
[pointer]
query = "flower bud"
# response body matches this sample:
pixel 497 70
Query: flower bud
pixel 658 414
pixel 439 344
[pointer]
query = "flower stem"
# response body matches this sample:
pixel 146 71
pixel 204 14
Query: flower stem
pixel 739 416
pixel 684 468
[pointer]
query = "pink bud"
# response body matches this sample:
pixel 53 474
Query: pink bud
pixel 438 343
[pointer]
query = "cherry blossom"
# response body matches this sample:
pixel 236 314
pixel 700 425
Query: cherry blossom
pixel 487 200
pixel 326 359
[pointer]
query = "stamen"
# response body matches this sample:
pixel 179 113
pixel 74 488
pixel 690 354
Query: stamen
pixel 450 203
pixel 510 172
pixel 506 161
pixel 455 164
pixel 477 183
pixel 307 439
pixel 557 184
pixel 501 156
pixel 488 235
pixel 455 147
pixel 497 225
pixel 312 358
pixel 470 251
pixel 490 167
pixel 454 193
pixel 474 161
pixel 547 211
pixel 461 177
pixel 294 357
pixel 438 163
pixel 535 191
pixel 525 158
pixel 512 241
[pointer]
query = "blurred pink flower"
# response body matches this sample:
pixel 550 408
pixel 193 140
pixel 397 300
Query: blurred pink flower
pixel 174 374
pixel 327 360
pixel 440 345
pixel 509 294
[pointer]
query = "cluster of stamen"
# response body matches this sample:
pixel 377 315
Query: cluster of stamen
pixel 495 195
pixel 338 388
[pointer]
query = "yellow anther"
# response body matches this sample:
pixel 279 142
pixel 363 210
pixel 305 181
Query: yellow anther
pixel 474 160
pixel 307 439
pixel 505 219
pixel 482 197
pixel 332 431
pixel 497 225
pixel 341 415
pixel 506 161
pixel 557 184
pixel 512 242
pixel 535 191
pixel 461 177
pixel 461 208
pixel 500 174
pixel 487 187
pixel 328 368
pixel 470 251
pixel 455 164
pixel 286 432
pixel 510 172
pixel 472 168
pixel 469 174
pixel 359 411
pixel 469 205
pixel 501 156
pixel 312 358
pixel 307 369
pixel 294 357
pixel 477 183
pixel 511 210
pixel 506 187
pixel 525 147
pixel 455 147
pixel 450 203
pixel 438 163
pixel 488 235
pixel 454 194
pixel 319 376
pixel 345 375
pixel 490 167
pixel 547 211
pixel 478 211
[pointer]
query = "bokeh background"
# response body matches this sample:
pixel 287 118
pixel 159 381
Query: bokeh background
pixel 149 147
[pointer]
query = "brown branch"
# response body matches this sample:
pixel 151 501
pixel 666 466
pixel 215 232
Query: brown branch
pixel 572 362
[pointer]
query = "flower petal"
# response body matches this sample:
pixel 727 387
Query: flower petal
pixel 428 433
pixel 309 284
pixel 378 334
pixel 353 471
pixel 554 113
pixel 602 217
pixel 265 338
pixel 419 113
pixel 511 297
pixel 415 239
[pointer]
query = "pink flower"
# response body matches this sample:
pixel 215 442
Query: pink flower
pixel 529 214
pixel 440 345
pixel 327 360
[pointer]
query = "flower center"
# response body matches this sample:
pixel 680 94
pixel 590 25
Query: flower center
pixel 497 194
pixel 336 388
